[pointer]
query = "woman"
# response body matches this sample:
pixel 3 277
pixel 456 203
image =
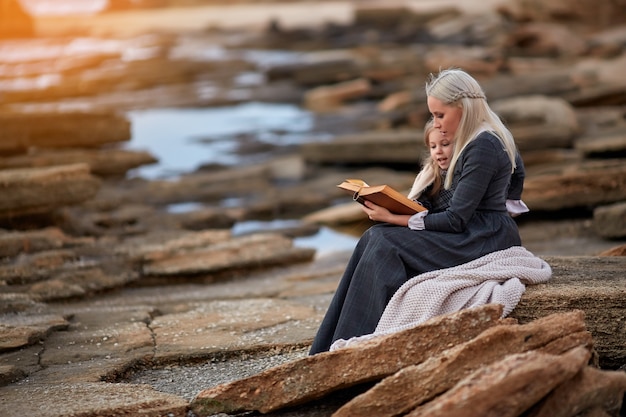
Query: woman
pixel 475 222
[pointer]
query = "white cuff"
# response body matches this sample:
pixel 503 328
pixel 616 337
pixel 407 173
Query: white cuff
pixel 416 221
pixel 516 207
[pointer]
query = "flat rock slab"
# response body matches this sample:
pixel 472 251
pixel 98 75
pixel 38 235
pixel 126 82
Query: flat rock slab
pixel 508 387
pixel 109 162
pixel 21 131
pixel 595 285
pixel 241 252
pixel 41 190
pixel 417 384
pixel 368 148
pixel 90 400
pixel 587 184
pixel 314 376
pixel 22 330
pixel 223 326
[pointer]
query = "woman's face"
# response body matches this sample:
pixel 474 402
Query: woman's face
pixel 440 148
pixel 446 118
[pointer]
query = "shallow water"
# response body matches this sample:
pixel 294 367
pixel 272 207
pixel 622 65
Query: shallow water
pixel 183 139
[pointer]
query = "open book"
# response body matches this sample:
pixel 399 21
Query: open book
pixel 382 195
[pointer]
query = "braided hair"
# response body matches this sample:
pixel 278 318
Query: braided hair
pixel 455 87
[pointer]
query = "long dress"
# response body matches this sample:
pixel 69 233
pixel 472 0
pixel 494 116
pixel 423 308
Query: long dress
pixel 475 223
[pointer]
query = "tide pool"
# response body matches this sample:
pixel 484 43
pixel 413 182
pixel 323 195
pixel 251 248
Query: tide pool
pixel 183 139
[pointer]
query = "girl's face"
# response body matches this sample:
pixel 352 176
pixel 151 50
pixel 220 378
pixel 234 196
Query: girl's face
pixel 446 118
pixel 440 148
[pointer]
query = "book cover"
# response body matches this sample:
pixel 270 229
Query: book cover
pixel 382 195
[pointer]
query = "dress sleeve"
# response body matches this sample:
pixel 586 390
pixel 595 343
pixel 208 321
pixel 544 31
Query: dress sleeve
pixel 517 179
pixel 478 167
pixel 416 221
pixel 516 207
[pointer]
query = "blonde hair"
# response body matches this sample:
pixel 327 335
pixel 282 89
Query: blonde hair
pixel 455 87
pixel 430 170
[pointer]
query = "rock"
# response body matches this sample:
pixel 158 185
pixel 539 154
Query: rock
pixel 243 252
pixel 599 143
pixel 20 132
pixel 556 82
pixel 588 389
pixel 417 384
pixel 330 97
pixel 598 291
pixel 599 83
pixel 318 68
pixel 400 147
pixel 539 122
pixel 74 281
pixel 587 13
pixel 482 61
pixel 41 190
pixel 545 39
pixel 23 330
pixel 91 399
pixel 314 376
pixel 506 388
pixel 9 374
pixel 13 243
pixel 486 28
pixel 223 326
pixel 163 244
pixel 616 251
pixel 110 162
pixel 587 184
pixel 610 221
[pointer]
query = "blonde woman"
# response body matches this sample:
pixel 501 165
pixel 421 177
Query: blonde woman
pixel 474 222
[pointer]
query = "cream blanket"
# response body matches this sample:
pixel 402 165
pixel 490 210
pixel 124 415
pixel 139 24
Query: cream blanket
pixel 499 277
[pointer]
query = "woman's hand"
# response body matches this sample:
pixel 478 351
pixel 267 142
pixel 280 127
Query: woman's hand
pixel 380 214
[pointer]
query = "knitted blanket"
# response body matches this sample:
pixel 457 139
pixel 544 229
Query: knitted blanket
pixel 499 277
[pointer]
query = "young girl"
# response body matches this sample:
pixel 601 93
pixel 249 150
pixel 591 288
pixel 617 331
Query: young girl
pixel 474 222
pixel 428 186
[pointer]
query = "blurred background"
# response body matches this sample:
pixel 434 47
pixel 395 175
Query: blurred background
pixel 256 109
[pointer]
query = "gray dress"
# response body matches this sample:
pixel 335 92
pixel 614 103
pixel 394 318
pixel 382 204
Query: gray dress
pixel 475 223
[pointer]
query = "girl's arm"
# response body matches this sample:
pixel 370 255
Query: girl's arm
pixel 381 214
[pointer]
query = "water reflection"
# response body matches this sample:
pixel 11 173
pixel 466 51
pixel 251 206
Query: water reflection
pixel 324 242
pixel 183 139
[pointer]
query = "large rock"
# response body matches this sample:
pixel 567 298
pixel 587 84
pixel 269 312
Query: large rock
pixel 506 388
pixel 399 147
pixel 610 221
pixel 420 383
pixel 252 251
pixel 91 399
pixel 595 285
pixel 539 122
pixel 314 376
pixel 581 185
pixel 22 131
pixel 41 190
pixel 589 13
pixel 102 162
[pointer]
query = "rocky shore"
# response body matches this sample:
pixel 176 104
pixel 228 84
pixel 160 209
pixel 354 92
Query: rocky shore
pixel 113 304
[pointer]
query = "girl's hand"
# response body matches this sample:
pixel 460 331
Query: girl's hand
pixel 380 214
